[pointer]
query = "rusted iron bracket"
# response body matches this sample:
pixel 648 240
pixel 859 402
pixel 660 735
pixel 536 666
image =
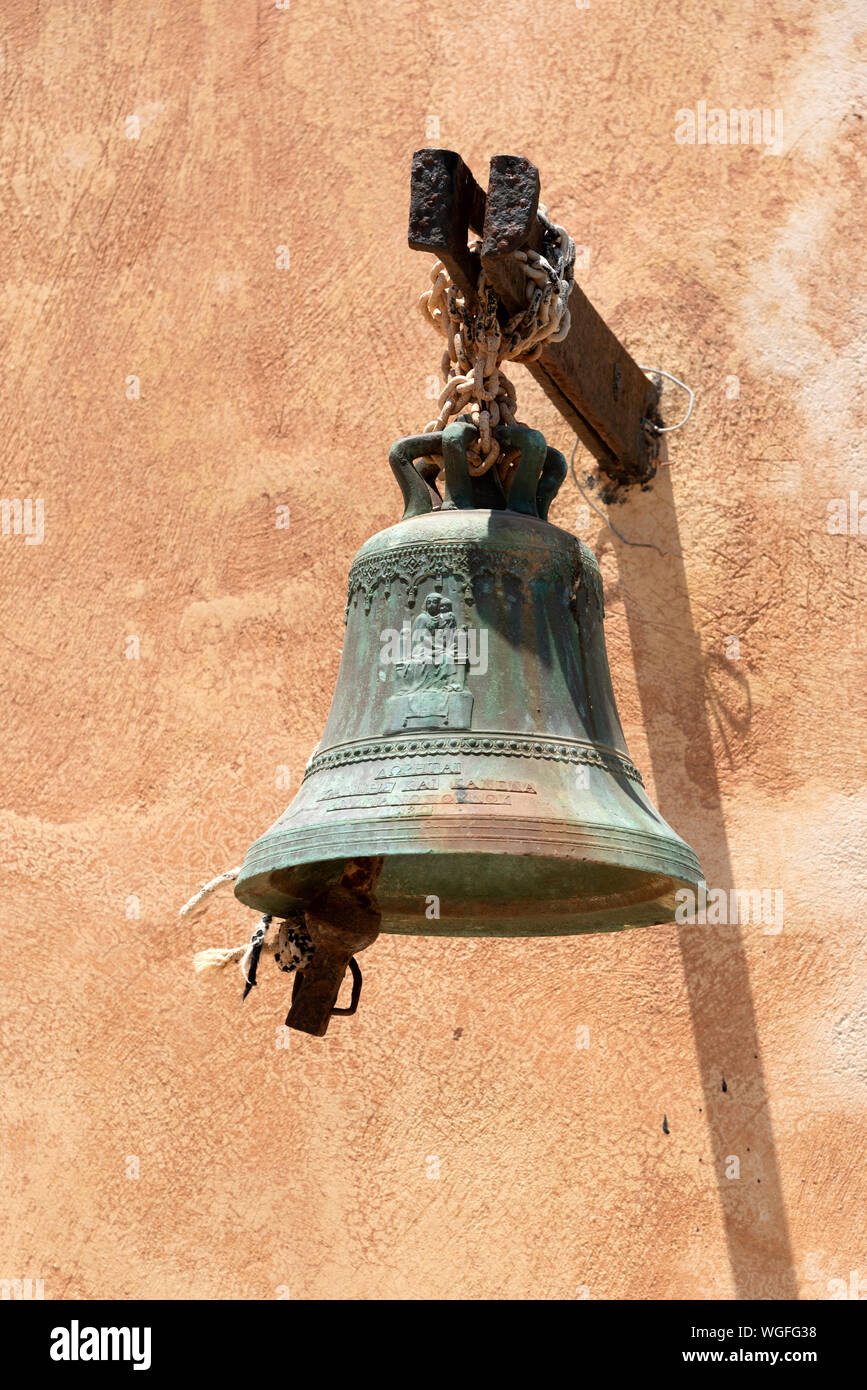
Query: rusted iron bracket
pixel 590 377
pixel 445 201
pixel 342 919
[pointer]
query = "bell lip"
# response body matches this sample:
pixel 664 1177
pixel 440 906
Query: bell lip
pixel 652 904
pixel 652 911
pixel 667 861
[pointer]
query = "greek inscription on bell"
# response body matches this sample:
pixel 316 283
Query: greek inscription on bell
pixel 491 784
pixel 420 768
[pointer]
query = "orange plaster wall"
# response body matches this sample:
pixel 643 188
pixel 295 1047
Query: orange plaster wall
pixel 150 251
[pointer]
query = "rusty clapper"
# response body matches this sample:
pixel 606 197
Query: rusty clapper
pixel 472 778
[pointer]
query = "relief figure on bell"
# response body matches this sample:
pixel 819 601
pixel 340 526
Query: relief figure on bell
pixel 432 672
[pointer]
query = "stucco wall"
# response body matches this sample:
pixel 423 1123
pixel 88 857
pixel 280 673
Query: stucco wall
pixel 149 250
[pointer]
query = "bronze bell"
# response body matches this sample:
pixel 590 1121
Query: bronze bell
pixel 473 778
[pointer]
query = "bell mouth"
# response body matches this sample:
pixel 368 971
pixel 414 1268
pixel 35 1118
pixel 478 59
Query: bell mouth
pixel 473 892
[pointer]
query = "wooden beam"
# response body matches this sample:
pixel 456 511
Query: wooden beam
pixel 589 376
pixel 602 383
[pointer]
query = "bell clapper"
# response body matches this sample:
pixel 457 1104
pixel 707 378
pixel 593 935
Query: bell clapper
pixel 342 920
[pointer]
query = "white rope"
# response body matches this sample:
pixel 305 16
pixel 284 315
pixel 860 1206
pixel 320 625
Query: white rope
pixel 204 962
pixel 292 947
pixel 200 902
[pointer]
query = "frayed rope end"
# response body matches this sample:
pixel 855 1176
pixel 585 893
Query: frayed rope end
pixel 215 958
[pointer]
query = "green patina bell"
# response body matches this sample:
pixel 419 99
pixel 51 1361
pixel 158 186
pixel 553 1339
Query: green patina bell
pixel 473 744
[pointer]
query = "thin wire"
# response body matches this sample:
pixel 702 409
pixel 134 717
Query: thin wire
pixel 667 429
pixel 643 545
pixel 589 500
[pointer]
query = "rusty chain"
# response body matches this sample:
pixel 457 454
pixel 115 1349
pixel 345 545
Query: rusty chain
pixel 477 343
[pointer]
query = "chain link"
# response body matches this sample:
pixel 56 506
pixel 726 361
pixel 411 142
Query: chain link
pixel 477 342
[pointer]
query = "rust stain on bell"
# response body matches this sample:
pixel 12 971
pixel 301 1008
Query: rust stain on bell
pixel 473 753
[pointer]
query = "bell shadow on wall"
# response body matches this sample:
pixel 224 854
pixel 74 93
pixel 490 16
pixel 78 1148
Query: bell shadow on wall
pixel 677 683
